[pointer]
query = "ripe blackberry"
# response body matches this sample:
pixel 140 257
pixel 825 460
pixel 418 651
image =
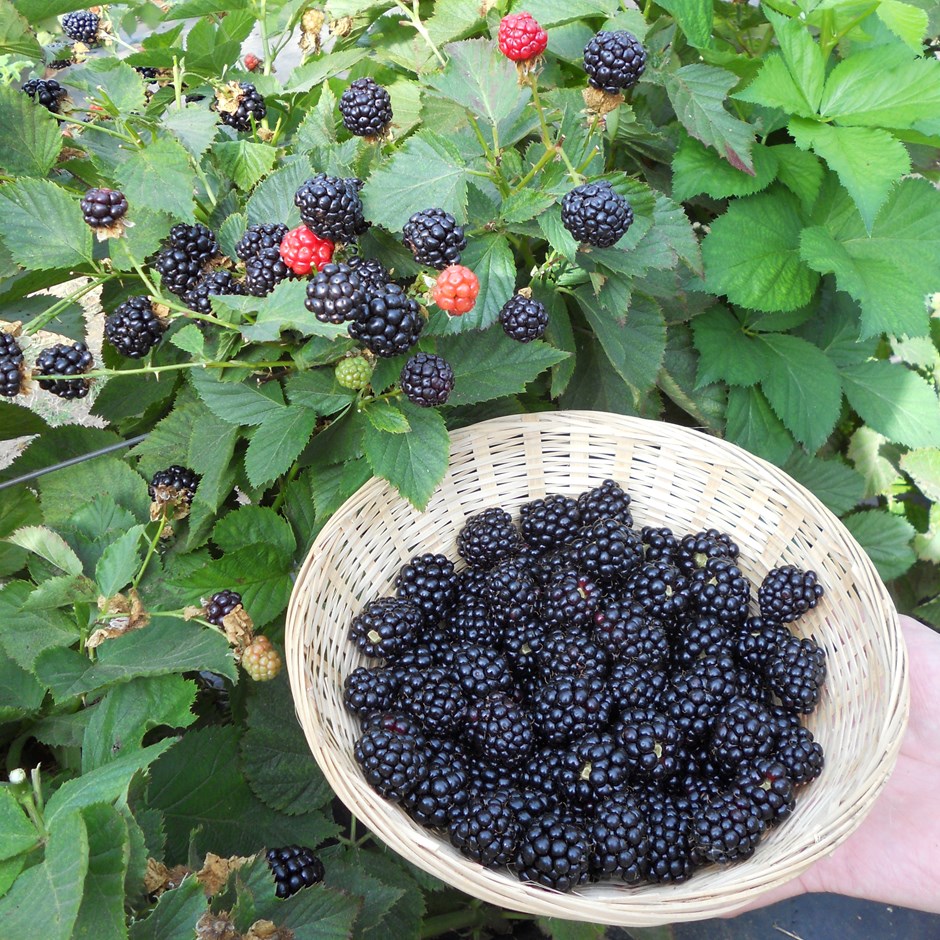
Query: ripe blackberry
pixel 607 501
pixel 389 323
pixel 727 829
pixel 353 372
pixel 697 636
pixel 471 622
pixel 427 380
pixel 633 685
pixel 335 294
pixel 434 238
pixel 370 689
pixel 443 794
pixel 221 605
pixel 264 271
pixel 796 673
pixel 366 108
pixel 438 702
pixel 11 365
pixel 65 359
pixel 692 699
pixel 81 26
pixel 133 329
pixel 386 627
pixel 372 274
pixel 570 654
pixel 420 656
pixel 627 632
pixel 614 60
pixel 593 769
pixel 764 782
pixel 330 206
pixel 752 685
pixel 595 215
pixel 756 642
pixel 786 593
pixel 720 589
pixel 554 853
pixel 101 208
pixel 801 755
pixel 486 831
pixel 608 550
pixel 529 805
pixel 47 92
pixel 174 483
pixel 661 588
pixel 259 237
pixel 487 778
pixel 251 109
pixel 569 707
pixel 653 744
pixel 698 547
pixel 659 544
pixel 487 538
pixel 523 319
pixel 498 728
pixel 620 840
pixel 510 591
pixel 213 284
pixel 742 732
pixel 570 599
pixel 147 71
pixel 393 761
pixel 549 522
pixel 196 240
pixel 480 671
pixel 520 641
pixel 429 582
pixel 294 867
pixel 520 37
pixel 539 775
pixel 180 263
pixel 670 854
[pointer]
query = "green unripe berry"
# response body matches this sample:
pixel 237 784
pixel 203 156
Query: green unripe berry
pixel 354 373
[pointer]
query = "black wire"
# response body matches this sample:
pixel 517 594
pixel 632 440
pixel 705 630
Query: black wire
pixel 26 477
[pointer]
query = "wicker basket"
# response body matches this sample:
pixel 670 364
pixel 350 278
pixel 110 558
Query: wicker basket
pixel 677 477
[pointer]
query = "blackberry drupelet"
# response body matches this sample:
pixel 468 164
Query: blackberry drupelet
pixel 608 550
pixel 133 329
pixel 633 685
pixel 593 769
pixel 101 208
pixel 510 591
pixel 796 673
pixel 366 108
pixel 596 215
pixel 549 522
pixel 554 853
pixel 661 588
pixel 570 654
pixel 742 733
pixel 370 689
pixel 47 92
pixel 480 671
pixel 697 636
pixel 653 744
pixel 335 294
pixel 756 642
pixel 697 548
pixel 386 627
pixel 523 318
pixel 213 284
pixel 726 829
pixel 614 60
pixel 620 841
pixel 427 380
pixel 65 359
pixel 786 593
pixel 441 796
pixel 221 604
pixel 487 538
pixel 251 109
pixel 628 633
pixel 372 274
pixel 471 622
pixel 720 589
pixel 81 26
pixel 330 206
pixel 486 831
pixel 801 755
pixel 570 600
pixel 429 582
pixel 294 867
pixel 389 323
pixel 659 544
pixel 498 728
pixel 12 369
pixel 570 707
pixel 764 782
pixel 259 237
pixel 607 501
pixel 434 238
pixel 393 762
pixel 175 482
pixel 670 855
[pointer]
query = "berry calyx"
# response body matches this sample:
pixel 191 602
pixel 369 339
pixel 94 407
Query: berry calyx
pixel 353 373
pixel 303 251
pixel 520 37
pixel 456 289
pixel 261 660
pixel 427 379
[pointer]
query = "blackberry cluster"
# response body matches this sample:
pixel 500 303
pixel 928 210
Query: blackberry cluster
pixel 220 605
pixel 11 366
pixel 133 329
pixel 366 108
pixel 210 285
pixel 81 26
pixel 47 92
pixel 335 294
pixel 595 215
pixel 187 251
pixel 101 208
pixel 251 109
pixel 434 238
pixel 586 700
pixel 331 208
pixel 389 323
pixel 614 60
pixel 294 867
pixel 427 379
pixel 523 319
pixel 260 249
pixel 65 360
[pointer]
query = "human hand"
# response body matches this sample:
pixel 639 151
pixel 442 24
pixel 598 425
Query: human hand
pixel 892 857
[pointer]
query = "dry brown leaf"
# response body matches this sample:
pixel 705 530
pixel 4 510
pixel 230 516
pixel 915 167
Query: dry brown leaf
pixel 215 871
pixel 341 27
pixel 216 927
pixel 156 877
pixel 601 102
pixel 239 628
pixel 229 97
pixel 310 25
pixel 267 930
pixel 127 613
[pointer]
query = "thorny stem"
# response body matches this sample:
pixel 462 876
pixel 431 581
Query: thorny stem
pixel 546 136
pixel 415 18
pixel 161 522
pixel 173 367
pixel 97 127
pixel 265 43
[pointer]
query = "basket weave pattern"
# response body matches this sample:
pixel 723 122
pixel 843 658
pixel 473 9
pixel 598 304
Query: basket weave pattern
pixel 678 478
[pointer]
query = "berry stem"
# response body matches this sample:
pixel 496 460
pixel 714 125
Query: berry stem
pixel 540 165
pixel 41 319
pixel 265 42
pixel 174 367
pixel 96 127
pixel 415 17
pixel 161 522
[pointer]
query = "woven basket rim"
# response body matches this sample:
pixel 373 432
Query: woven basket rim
pixel 649 905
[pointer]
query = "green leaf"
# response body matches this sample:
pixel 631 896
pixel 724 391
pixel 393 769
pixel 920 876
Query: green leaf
pixel 244 161
pixel 254 525
pixel 315 72
pixel 556 234
pixel 44 901
pixel 525 204
pixel 213 46
pixel 274 196
pixel 195 128
pixel 237 402
pixel 697 93
pixel 890 271
pixel 695 19
pixel 727 352
pixel 837 485
pixel 378 899
pixel 803 58
pixel 886 86
pixel 119 562
pixel 112 81
pixel 404 917
pixel 319 390
pixel 698 169
pixel 160 177
pixel 869 161
pixel 886 539
pixel 558 929
pixel 17 421
pixel 101 915
pixel 414 463
pixel 33 149
pixel 774 87
pixel 190 339
pixel 318 128
pixel 384 416
pixel 751 423
pixel 426 171
pixel 895 401
pixel 877 471
pixel 48 545
pixel 277 442
pixel 43 228
pixel 802 385
pixel 283 309
pixel 175 915
pixel 275 756
pixel 801 172
pixel 332 486
pixel 10 869
pixel 26 633
pixel 923 467
pixel 906 21
pixel 490 365
pixel 752 254
pixel 16 38
pixel 19 691
pixel 17 833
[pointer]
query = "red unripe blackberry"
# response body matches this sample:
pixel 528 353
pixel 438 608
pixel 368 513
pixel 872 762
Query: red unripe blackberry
pixel 520 37
pixel 456 290
pixel 302 251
